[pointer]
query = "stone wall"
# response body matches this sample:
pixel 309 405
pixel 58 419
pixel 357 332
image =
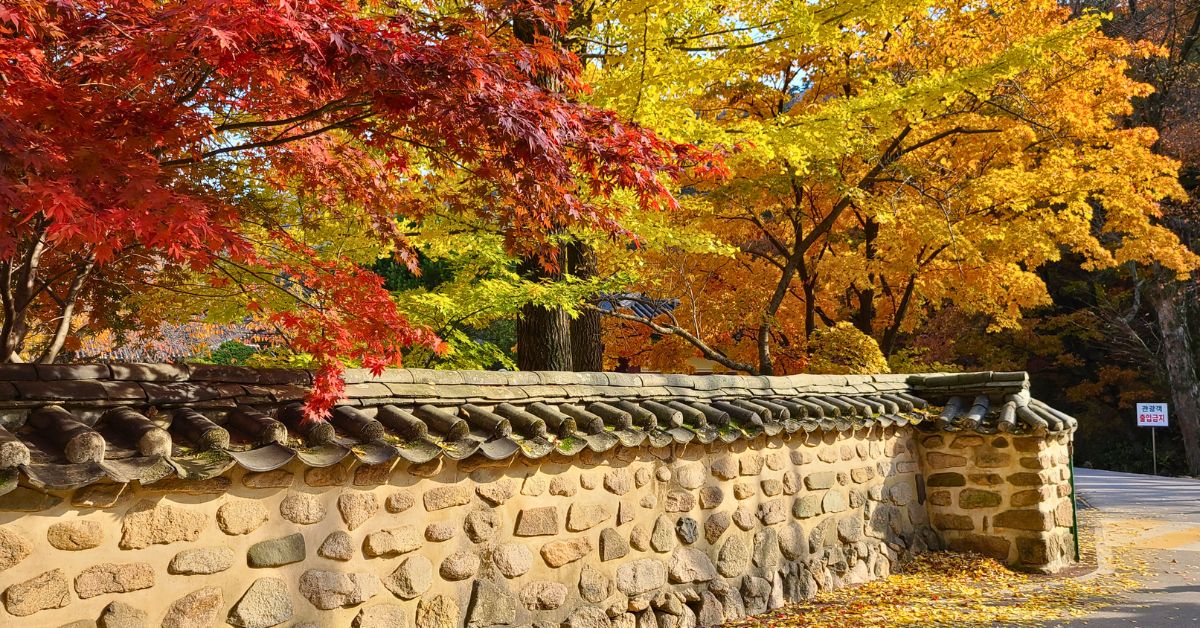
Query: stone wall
pixel 1001 495
pixel 666 537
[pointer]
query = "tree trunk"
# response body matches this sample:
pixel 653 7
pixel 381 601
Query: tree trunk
pixel 810 305
pixel 543 339
pixel 68 310
pixel 893 330
pixel 766 365
pixel 543 334
pixel 587 340
pixel 864 317
pixel 18 292
pixel 1170 306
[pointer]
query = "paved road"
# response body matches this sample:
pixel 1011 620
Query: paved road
pixel 1131 495
pixel 1156 520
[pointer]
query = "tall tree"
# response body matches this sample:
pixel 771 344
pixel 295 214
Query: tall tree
pixel 548 338
pixel 155 144
pixel 904 157
pixel 1171 32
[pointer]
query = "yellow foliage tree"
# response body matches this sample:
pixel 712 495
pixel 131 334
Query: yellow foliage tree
pixel 888 158
pixel 843 349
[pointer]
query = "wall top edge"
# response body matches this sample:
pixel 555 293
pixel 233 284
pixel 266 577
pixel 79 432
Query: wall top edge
pixel 218 374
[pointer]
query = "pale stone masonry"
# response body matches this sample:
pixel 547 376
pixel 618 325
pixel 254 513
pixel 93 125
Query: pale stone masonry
pixel 1005 496
pixel 667 501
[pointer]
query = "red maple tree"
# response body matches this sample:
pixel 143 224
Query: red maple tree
pixel 129 130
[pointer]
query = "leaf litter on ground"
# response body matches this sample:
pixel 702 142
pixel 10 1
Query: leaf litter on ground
pixel 952 589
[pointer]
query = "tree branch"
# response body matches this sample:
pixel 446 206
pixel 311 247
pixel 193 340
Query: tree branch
pixel 675 330
pixel 337 105
pixel 187 161
pixel 195 88
pixel 68 310
pixel 893 330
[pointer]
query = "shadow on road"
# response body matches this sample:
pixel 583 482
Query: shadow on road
pixel 1150 525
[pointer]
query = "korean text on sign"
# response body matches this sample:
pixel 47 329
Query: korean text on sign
pixel 1152 415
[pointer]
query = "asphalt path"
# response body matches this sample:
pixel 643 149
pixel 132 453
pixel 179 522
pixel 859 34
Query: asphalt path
pixel 1132 495
pixel 1154 520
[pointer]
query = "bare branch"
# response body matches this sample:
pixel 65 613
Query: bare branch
pixel 277 141
pixel 337 105
pixel 675 330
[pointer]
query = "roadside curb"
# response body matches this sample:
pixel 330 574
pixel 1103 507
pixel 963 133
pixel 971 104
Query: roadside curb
pixel 1094 552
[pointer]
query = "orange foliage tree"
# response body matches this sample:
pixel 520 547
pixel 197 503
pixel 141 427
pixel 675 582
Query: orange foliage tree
pixel 949 152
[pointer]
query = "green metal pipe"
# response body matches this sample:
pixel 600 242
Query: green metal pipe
pixel 1074 502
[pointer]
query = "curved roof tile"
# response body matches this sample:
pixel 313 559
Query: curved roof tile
pixel 66 426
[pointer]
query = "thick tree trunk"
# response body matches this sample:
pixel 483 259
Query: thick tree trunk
pixel 1169 300
pixel 543 339
pixel 587 340
pixel 543 334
